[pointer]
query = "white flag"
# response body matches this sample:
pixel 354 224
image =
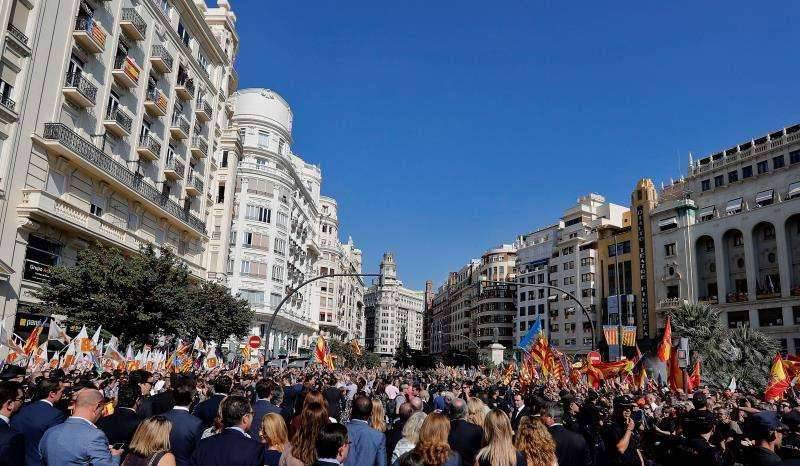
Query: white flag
pixel 732 385
pixel 198 344
pixel 96 336
pixel 57 333
pixel 113 342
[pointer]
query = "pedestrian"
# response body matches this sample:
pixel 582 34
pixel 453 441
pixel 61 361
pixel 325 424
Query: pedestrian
pixel 120 426
pixel 368 447
pixel 332 446
pixel 464 437
pixel 498 449
pixel 187 429
pixel 432 444
pixel 534 440
pixel 766 432
pixel 571 448
pixel 621 437
pixel 233 446
pixel 265 404
pixel 77 440
pixel 145 381
pixel 12 443
pixel 395 432
pixel 273 435
pixel 410 436
pixel 34 419
pixel 301 450
pixel 476 411
pixel 150 445
pixel 207 409
pixel 377 419
pixel 519 411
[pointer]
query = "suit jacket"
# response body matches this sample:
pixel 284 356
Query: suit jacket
pixel 334 397
pixel 260 409
pixel 32 421
pixel 367 445
pixel 162 402
pixel 120 426
pixel 186 432
pixel 12 446
pixel 207 409
pixel 466 439
pixel 228 448
pixel 516 416
pixel 571 448
pixel 76 441
pixel 393 436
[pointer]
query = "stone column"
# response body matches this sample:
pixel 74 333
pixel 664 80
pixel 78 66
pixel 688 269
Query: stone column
pixel 750 263
pixel 784 253
pixel 721 262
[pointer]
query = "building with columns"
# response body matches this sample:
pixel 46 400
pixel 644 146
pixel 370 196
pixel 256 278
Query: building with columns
pixel 729 234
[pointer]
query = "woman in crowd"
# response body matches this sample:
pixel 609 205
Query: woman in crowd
pixel 302 449
pixel 378 419
pixel 150 444
pixel 410 436
pixel 311 397
pixel 432 445
pixel 273 435
pixel 535 442
pixel 476 411
pixel 498 447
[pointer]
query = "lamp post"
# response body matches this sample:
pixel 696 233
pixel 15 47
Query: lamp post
pixel 550 287
pixel 462 336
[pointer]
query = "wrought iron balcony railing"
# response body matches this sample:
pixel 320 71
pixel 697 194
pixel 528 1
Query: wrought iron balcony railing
pixel 131 16
pixel 6 102
pixel 121 117
pixel 159 51
pixel 19 35
pixel 86 88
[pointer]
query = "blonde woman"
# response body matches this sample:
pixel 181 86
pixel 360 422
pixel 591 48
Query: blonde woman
pixel 150 444
pixel 498 449
pixel 273 435
pixel 476 411
pixel 534 440
pixel 378 418
pixel 432 445
pixel 410 435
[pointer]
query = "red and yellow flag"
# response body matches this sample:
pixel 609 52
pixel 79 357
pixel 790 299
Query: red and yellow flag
pixel 665 347
pixel 778 380
pixel 322 354
pixel 695 378
pixel 33 341
pixel 675 376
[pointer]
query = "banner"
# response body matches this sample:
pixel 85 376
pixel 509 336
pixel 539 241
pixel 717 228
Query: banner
pixel 611 333
pixel 629 335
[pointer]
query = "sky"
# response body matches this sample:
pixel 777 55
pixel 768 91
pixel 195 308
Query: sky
pixel 444 128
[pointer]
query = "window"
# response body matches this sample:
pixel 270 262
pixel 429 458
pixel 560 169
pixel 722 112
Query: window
pixel 569 265
pixel 522 311
pixel 705 185
pixel 668 224
pixel 587 277
pixel 621 248
pixel 567 251
pixel 283 219
pixel 733 176
pixel 253 297
pixel 738 319
pixel 771 317
pixel 263 139
pixel 707 213
pixel 764 198
pixel 281 146
pixel 280 246
pixel 585 262
pixel 778 162
pixel 221 193
pixel 747 171
pixel 569 280
pixel 794 157
pixel 669 249
pixel 673 292
pixel 587 292
pixel 96 210
pixel 573 221
pixel 738 240
pixel 258 213
pixel 277 273
pixel 796 316
pixel 719 180
pixel 794 190
pixel 762 167
pixel 734 206
pixel 224 159
pixel 183 34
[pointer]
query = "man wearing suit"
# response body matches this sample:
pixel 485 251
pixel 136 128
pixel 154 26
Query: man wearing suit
pixel 77 440
pixel 333 395
pixel 519 411
pixel 207 409
pixel 332 445
pixel 144 380
pixel 465 438
pixel 186 428
pixel 266 391
pixel 394 434
pixel 12 444
pixel 33 420
pixel 571 448
pixel 233 446
pixel 367 445
pixel 120 426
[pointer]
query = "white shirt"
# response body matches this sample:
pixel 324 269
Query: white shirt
pixel 392 391
pixel 182 408
pixel 6 419
pixel 329 460
pixel 51 404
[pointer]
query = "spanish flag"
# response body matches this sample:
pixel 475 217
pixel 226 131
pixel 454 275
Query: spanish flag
pixel 33 341
pixel 778 380
pixel 356 347
pixel 665 347
pixel 322 353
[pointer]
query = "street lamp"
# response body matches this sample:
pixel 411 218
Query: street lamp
pixel 549 287
pixel 462 336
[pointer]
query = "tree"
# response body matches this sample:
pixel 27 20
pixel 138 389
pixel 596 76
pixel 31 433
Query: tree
pixel 140 296
pixel 403 356
pixel 742 352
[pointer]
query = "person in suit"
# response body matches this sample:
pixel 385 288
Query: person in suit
pixel 34 419
pixel 77 440
pixel 207 409
pixel 265 404
pixel 120 426
pixel 465 438
pixel 144 380
pixel 12 444
pixel 368 446
pixel 332 446
pixel 519 411
pixel 186 428
pixel 395 433
pixel 233 446
pixel 571 448
pixel 163 401
pixel 333 395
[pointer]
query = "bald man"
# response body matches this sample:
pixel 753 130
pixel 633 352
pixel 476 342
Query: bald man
pixel 78 440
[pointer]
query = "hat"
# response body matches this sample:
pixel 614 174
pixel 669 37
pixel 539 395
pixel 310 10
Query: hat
pixel 792 420
pixel 760 424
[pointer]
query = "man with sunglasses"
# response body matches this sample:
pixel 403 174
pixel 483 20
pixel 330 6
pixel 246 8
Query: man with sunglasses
pixel 12 444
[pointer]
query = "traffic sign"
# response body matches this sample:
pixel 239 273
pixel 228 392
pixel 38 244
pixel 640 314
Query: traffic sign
pixel 593 357
pixel 254 341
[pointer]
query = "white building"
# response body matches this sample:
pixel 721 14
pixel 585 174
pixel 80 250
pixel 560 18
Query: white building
pixel 274 238
pixel 534 251
pixel 393 312
pixel 729 235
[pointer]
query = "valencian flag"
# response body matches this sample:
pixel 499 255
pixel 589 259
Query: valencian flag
pixel 356 347
pixel 695 378
pixel 612 335
pixel 508 373
pixel 528 338
pixel 665 347
pixel 629 335
pixel 778 380
pixel 322 353
pixel 33 341
pixel 55 332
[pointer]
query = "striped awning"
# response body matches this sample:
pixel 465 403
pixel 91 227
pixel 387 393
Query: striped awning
pixel 794 189
pixel 734 205
pixel 668 222
pixel 707 211
pixel 764 196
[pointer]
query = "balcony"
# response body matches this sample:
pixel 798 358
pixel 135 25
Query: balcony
pixel 203 110
pixel 89 35
pixel 185 88
pixel 179 127
pixel 199 147
pixel 126 72
pixel 60 139
pixel 20 39
pixel 79 91
pixel 118 122
pixel 133 26
pixel 173 169
pixel 194 185
pixel 8 112
pixel 156 102
pixel 149 147
pixel 160 59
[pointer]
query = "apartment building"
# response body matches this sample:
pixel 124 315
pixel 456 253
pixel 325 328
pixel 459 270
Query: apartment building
pixel 494 308
pixel 392 312
pixel 451 311
pixel 729 235
pixel 273 242
pixel 112 117
pixel 534 251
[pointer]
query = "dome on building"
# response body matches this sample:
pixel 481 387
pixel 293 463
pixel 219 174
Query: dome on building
pixel 259 103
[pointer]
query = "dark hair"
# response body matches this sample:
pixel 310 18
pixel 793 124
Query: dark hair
pixel 412 458
pixel 9 391
pixel 362 408
pixel 139 376
pixel 128 395
pixel 183 391
pixel 263 388
pixel 223 384
pixel 330 438
pixel 234 408
pixel 45 387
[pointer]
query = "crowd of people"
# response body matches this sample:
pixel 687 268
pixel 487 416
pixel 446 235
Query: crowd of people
pixel 379 417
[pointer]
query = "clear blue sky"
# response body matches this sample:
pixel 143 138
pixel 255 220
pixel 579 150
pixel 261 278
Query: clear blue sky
pixel 446 127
